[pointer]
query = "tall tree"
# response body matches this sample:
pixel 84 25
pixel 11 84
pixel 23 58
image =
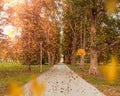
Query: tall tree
pixel 95 12
pixel 35 19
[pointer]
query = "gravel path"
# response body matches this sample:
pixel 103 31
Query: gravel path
pixel 62 81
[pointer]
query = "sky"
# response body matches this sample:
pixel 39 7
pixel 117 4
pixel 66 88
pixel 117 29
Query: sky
pixel 8 29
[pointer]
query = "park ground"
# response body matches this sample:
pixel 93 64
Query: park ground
pixel 15 72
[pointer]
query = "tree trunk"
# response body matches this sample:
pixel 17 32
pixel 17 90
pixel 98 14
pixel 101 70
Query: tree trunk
pixel 73 44
pixel 29 68
pixel 73 49
pixel 67 59
pixel 93 62
pixel 93 49
pixel 53 59
pixel 82 61
pixel 28 65
pixel 49 57
pixel 27 60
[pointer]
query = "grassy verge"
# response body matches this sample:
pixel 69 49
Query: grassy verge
pixel 109 89
pixel 15 72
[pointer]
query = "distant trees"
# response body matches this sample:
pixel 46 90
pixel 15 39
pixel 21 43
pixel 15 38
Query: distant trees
pixel 76 22
pixel 88 25
pixel 38 27
pixel 36 20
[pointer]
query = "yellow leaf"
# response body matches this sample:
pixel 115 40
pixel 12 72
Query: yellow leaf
pixel 110 70
pixel 37 88
pixel 14 90
pixel 111 6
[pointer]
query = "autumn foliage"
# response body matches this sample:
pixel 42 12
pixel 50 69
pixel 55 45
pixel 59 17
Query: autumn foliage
pixel 81 52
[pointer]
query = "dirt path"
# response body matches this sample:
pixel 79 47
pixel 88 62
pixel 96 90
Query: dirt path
pixel 62 81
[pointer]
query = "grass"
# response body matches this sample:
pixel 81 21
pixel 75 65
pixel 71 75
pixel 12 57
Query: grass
pixel 109 89
pixel 15 72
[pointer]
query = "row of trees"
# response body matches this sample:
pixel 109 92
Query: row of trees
pixel 37 22
pixel 92 25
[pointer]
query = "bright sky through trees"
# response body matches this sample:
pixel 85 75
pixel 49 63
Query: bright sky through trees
pixel 11 32
pixel 8 30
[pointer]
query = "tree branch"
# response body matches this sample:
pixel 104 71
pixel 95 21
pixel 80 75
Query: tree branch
pixel 71 27
pixel 111 45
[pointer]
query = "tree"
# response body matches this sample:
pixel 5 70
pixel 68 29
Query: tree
pixel 37 24
pixel 96 16
pixel 70 28
pixel 1 19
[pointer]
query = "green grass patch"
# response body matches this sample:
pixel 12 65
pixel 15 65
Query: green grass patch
pixel 110 89
pixel 15 72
